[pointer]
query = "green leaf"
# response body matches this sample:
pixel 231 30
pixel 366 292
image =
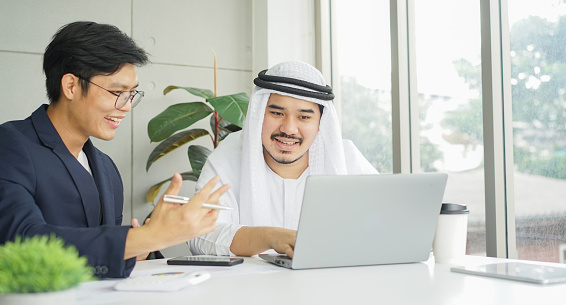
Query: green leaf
pixel 204 93
pixel 232 108
pixel 173 142
pixel 230 127
pixel 212 120
pixel 174 118
pixel 197 157
pixel 224 132
pixel 225 129
pixel 154 190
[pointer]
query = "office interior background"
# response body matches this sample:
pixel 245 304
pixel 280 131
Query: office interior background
pixel 472 88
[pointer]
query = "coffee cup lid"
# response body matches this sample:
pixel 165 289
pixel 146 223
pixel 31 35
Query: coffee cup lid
pixel 454 208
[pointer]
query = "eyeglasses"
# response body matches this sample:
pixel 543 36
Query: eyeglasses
pixel 122 97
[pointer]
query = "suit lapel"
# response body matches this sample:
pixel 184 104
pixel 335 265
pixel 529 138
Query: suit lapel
pixel 84 182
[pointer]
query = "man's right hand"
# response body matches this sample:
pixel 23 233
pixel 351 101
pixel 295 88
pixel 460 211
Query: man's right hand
pixel 250 241
pixel 282 240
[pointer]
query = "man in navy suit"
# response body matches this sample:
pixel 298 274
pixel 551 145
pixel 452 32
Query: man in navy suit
pixel 54 181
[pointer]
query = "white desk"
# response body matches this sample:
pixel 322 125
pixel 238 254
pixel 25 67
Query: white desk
pixel 257 282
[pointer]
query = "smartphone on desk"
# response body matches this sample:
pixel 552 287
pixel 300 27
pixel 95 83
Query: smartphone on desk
pixel 205 260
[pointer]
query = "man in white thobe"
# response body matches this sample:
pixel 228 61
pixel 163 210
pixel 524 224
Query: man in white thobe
pixel 291 131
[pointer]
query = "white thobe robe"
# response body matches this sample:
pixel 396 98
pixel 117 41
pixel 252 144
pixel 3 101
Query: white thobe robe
pixel 286 195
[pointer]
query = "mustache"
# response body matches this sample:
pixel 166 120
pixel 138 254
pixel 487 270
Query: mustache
pixel 284 135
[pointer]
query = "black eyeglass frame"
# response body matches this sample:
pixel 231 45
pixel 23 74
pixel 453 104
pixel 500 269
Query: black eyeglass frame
pixel 132 93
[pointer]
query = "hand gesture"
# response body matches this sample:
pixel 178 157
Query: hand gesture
pixel 173 223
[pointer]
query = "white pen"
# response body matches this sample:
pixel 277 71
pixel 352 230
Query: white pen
pixel 183 200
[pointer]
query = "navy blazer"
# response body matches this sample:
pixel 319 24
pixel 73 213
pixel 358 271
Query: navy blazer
pixel 44 190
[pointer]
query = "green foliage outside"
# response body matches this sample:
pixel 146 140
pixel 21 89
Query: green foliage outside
pixel 429 154
pixel 366 120
pixel 465 125
pixel 538 79
pixel 553 167
pixel 41 264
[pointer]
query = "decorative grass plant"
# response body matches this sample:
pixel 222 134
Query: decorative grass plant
pixel 41 264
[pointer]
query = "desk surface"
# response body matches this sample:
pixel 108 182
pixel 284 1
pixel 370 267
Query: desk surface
pixel 258 282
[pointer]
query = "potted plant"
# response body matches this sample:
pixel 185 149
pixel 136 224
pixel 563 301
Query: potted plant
pixel 171 127
pixel 40 270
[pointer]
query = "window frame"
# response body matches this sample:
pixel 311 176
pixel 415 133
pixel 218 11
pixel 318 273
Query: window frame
pixel 496 99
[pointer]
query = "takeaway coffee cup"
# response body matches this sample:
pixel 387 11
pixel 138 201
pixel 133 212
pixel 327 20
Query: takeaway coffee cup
pixel 449 243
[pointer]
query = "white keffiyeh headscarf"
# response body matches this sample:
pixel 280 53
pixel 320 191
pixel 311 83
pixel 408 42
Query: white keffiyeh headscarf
pixel 326 155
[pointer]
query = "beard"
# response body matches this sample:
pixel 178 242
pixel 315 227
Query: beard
pixel 283 160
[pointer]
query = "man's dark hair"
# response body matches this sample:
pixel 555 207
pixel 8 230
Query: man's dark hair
pixel 87 49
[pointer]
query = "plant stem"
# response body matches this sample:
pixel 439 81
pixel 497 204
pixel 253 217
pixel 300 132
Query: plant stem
pixel 216 121
pixel 216 128
pixel 215 78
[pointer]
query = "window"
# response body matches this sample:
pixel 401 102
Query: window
pixel 527 204
pixel 448 64
pixel 538 84
pixel 364 85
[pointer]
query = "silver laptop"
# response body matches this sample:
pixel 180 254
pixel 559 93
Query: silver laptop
pixel 355 220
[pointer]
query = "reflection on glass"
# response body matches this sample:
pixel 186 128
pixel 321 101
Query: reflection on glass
pixel 538 82
pixel 364 83
pixel 448 62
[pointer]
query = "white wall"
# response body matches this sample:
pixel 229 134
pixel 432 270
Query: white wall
pixel 179 35
pixel 283 30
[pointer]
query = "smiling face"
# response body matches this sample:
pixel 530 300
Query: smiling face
pixel 94 114
pixel 289 128
pixel 78 115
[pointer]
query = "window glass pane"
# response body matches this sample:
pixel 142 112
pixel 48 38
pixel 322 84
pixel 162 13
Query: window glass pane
pixel 448 52
pixel 362 79
pixel 538 84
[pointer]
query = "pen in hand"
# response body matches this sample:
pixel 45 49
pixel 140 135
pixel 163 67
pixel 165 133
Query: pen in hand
pixel 183 200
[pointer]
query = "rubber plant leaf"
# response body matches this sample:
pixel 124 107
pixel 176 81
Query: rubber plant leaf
pixel 173 142
pixel 232 108
pixel 225 128
pixel 197 157
pixel 174 118
pixel 154 190
pixel 204 93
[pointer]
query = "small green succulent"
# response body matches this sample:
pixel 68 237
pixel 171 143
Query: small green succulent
pixel 41 264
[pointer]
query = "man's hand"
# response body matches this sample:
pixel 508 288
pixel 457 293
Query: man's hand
pixel 282 240
pixel 173 223
pixel 250 241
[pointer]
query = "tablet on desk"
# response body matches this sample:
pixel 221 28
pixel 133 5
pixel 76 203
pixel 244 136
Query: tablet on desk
pixel 526 272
